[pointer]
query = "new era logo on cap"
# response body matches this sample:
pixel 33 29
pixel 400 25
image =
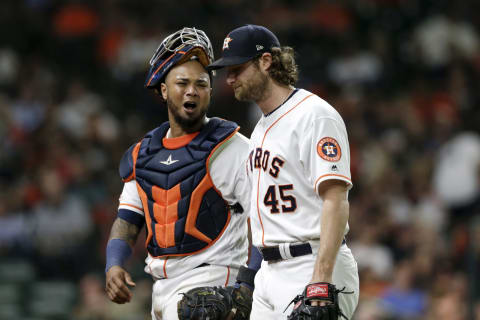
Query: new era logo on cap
pixel 244 44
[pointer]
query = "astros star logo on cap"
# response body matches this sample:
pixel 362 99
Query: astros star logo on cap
pixel 226 42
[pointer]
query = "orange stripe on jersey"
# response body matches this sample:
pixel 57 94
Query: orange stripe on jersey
pixel 178 142
pixel 249 240
pixel 330 174
pixel 131 205
pixel 258 212
pixel 165 213
pixel 261 146
pixel 228 276
pixel 165 268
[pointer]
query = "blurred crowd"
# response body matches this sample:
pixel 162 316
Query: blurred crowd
pixel 404 75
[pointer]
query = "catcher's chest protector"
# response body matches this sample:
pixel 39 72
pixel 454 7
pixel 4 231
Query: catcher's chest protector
pixel 184 213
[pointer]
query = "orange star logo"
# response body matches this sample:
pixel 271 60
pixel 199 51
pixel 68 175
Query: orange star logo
pixel 226 42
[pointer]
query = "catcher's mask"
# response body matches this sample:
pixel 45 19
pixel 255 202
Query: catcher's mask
pixel 178 48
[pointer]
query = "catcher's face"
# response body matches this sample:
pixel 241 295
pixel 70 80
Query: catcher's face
pixel 187 92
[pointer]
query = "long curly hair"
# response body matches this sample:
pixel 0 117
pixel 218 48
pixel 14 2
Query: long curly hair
pixel 284 70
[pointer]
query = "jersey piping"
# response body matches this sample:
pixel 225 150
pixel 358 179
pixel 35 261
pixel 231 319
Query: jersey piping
pixel 261 146
pixel 228 276
pixel 131 205
pixel 329 175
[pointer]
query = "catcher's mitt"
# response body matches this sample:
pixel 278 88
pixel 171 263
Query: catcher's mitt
pixel 215 303
pixel 241 302
pixel 320 291
pixel 202 303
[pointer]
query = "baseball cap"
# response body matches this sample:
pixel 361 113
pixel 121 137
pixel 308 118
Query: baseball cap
pixel 244 44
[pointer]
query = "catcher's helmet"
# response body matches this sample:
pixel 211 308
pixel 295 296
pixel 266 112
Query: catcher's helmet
pixel 178 48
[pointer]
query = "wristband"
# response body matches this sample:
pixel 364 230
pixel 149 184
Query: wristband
pixel 118 252
pixel 246 276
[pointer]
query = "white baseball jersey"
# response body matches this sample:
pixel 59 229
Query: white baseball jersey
pixel 292 150
pixel 227 170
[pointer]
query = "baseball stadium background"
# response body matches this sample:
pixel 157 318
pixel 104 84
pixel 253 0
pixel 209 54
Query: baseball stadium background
pixel 404 75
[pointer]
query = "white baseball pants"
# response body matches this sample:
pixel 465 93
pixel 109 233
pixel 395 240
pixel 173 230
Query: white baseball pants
pixel 277 283
pixel 166 292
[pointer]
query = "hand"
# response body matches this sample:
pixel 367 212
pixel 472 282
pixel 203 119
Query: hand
pixel 116 286
pixel 319 303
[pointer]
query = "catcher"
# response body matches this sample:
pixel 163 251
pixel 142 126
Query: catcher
pixel 185 182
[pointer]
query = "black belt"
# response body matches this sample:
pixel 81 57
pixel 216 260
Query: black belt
pixel 296 250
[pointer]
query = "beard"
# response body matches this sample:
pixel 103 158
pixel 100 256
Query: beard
pixel 185 122
pixel 253 90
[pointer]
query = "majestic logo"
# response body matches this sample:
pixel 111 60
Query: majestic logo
pixel 169 161
pixel 329 149
pixel 317 290
pixel 226 42
pixel 334 167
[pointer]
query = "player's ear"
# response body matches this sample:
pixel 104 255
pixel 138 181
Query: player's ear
pixel 163 89
pixel 265 61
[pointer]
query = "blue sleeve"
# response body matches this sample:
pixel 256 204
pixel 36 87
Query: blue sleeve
pixel 255 259
pixel 131 217
pixel 246 275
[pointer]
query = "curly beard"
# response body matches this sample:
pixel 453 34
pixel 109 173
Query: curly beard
pixel 253 90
